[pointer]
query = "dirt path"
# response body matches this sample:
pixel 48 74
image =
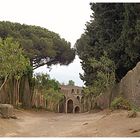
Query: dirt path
pixel 42 123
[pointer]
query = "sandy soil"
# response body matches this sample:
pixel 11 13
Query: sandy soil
pixel 43 123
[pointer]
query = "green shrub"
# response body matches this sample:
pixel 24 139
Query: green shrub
pixel 120 103
pixel 135 108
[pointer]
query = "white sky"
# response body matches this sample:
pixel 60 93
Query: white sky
pixel 65 17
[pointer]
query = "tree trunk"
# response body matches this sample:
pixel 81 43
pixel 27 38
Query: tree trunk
pixel 17 97
pixel 110 97
pixel 26 99
pixel 5 80
pixel 14 93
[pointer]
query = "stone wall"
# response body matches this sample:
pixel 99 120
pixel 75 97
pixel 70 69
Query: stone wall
pixel 38 100
pixel 103 100
pixel 129 86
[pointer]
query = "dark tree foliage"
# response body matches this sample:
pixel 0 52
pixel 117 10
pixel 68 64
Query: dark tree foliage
pixel 71 83
pixel 41 45
pixel 115 29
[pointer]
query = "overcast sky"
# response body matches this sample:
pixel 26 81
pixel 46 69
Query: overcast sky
pixel 65 17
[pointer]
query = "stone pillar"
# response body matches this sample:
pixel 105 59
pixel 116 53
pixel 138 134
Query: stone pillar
pixel 58 108
pixel 80 99
pixel 66 107
pixel 73 109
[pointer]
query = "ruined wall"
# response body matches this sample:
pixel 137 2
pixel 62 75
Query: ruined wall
pixel 38 100
pixel 129 86
pixel 10 95
pixel 104 100
pixel 4 95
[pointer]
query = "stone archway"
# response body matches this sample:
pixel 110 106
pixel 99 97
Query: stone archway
pixel 77 109
pixel 70 106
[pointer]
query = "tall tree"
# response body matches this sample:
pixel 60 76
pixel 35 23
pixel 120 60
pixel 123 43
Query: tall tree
pixel 13 64
pixel 12 60
pixel 114 28
pixel 128 45
pixel 104 80
pixel 41 45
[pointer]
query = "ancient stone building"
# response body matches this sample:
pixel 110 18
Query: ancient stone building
pixel 73 99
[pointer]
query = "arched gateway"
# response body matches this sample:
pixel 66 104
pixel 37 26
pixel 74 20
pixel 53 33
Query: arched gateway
pixel 77 109
pixel 69 106
pixel 72 103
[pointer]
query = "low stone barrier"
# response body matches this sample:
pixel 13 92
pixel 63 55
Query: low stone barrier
pixel 6 111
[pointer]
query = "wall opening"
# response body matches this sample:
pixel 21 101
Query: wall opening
pixel 70 106
pixel 77 109
pixel 72 91
pixel 78 98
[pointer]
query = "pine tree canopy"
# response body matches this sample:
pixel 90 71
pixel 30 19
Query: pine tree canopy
pixel 40 45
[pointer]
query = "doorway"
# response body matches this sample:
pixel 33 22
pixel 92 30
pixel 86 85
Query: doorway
pixel 70 106
pixel 77 109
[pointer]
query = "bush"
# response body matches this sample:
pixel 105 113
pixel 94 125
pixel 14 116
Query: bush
pixel 135 108
pixel 120 103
